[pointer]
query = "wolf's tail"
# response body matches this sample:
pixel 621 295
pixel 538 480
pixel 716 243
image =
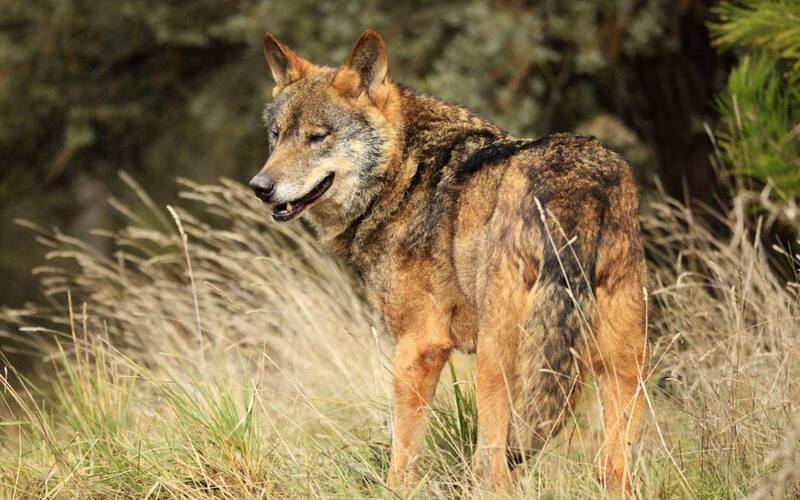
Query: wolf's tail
pixel 551 351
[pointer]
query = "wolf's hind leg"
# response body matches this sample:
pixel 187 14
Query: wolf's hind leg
pixel 500 326
pixel 494 411
pixel 621 365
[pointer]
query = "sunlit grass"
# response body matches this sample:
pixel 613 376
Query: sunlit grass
pixel 264 374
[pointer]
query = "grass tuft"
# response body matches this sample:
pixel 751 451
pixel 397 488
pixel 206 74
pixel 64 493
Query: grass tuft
pixel 263 374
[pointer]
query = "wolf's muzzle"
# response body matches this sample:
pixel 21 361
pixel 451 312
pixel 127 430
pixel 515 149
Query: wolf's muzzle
pixel 262 187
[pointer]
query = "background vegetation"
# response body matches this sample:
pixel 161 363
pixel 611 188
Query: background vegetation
pixel 166 89
pixel 200 351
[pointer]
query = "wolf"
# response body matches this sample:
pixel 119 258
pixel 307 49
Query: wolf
pixel 525 252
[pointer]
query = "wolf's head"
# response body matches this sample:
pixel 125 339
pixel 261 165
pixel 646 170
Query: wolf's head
pixel 330 131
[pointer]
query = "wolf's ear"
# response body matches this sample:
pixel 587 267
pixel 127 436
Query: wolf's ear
pixel 285 65
pixel 365 69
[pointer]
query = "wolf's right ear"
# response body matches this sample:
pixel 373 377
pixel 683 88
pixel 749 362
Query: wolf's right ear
pixel 365 69
pixel 285 65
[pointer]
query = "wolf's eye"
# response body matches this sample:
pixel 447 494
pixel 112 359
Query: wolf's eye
pixel 274 133
pixel 316 137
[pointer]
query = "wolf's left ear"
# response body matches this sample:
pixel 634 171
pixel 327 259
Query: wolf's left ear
pixel 285 65
pixel 365 70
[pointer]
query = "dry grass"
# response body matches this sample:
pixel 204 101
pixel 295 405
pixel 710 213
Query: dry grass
pixel 224 356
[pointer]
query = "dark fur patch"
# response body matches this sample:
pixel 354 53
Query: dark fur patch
pixel 492 154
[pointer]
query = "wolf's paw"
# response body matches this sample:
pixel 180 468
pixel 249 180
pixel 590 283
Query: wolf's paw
pixel 615 480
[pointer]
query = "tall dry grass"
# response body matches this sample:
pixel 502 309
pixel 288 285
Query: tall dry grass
pixel 221 355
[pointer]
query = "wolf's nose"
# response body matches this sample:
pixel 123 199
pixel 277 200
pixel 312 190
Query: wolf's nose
pixel 262 187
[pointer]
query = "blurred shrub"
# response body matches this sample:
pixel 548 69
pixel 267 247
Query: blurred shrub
pixel 170 88
pixel 759 132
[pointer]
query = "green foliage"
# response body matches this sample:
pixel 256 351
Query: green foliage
pixel 760 115
pixel 772 25
pixel 759 132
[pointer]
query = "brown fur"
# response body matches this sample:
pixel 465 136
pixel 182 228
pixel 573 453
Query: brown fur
pixel 525 251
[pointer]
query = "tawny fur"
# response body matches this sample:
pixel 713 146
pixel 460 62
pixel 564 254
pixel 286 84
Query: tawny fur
pixel 525 251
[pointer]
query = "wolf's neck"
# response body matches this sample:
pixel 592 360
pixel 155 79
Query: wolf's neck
pixel 435 138
pixel 434 127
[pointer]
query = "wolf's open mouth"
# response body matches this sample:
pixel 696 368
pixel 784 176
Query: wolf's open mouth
pixel 288 211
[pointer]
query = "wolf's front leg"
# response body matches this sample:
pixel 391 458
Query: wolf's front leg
pixel 418 361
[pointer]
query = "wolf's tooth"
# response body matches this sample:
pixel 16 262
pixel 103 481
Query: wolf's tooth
pixel 288 207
